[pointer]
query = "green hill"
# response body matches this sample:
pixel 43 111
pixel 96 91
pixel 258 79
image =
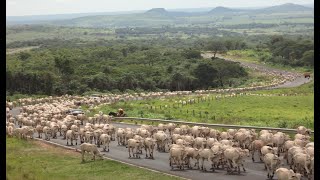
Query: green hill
pixel 288 7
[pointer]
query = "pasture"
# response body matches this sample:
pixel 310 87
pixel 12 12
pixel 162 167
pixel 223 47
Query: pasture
pixel 263 108
pixel 36 160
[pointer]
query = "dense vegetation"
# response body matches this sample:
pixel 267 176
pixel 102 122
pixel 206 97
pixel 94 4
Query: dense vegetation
pixel 58 70
pixel 298 52
pixel 35 160
pixel 75 66
pixel 282 51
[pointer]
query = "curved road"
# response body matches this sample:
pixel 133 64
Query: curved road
pixel 161 162
pixel 299 80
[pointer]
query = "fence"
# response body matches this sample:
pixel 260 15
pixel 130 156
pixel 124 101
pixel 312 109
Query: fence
pixel 205 124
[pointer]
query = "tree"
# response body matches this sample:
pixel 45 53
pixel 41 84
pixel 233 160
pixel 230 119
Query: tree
pixel 170 69
pixel 216 46
pixel 124 52
pixel 178 81
pixel 24 55
pixel 192 53
pixel 229 44
pixel 205 74
pixel 152 56
pixel 308 58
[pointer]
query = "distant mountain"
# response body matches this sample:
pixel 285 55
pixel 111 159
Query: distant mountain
pixel 284 8
pixel 222 10
pixel 35 19
pixel 156 11
pixel 309 5
pixel 288 7
pixel 156 16
pixel 207 9
pixel 164 12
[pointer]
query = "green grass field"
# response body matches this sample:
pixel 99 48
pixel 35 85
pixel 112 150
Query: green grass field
pixel 36 160
pixel 273 111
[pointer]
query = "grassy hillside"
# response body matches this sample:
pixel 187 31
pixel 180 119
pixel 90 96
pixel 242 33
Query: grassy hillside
pixel 138 20
pixel 35 160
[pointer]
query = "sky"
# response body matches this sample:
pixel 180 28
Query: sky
pixel 45 7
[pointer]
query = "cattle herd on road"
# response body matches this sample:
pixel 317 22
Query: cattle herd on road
pixel 188 147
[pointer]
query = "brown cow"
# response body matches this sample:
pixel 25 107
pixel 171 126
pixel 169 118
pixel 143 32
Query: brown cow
pixel 306 75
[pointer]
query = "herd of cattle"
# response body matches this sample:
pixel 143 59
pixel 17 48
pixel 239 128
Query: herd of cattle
pixel 185 145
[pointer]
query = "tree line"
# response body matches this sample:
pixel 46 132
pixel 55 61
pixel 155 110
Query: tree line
pixel 118 68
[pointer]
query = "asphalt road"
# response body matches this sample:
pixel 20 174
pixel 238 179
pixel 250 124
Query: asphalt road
pixel 161 161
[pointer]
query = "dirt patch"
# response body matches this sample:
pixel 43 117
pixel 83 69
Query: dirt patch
pixel 18 50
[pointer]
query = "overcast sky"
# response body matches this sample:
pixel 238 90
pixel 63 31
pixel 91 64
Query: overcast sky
pixel 41 7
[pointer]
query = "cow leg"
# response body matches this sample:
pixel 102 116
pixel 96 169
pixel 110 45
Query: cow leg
pixel 146 152
pixel 306 168
pixel 260 155
pixel 243 167
pixel 151 153
pixel 252 155
pixel 202 164
pixel 129 152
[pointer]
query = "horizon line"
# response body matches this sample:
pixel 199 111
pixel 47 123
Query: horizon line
pixel 123 11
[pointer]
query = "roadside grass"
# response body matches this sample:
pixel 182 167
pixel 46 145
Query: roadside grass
pixel 36 160
pixel 268 111
pixel 248 55
pixel 306 89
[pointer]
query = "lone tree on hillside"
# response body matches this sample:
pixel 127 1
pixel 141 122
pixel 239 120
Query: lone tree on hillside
pixel 216 46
